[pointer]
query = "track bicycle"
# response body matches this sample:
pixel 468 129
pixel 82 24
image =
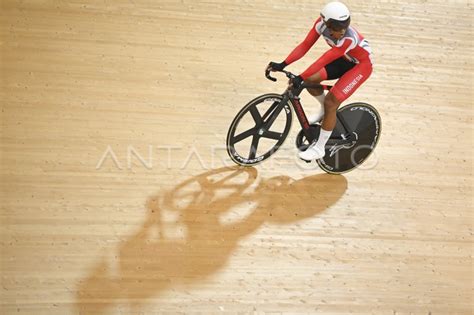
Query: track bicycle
pixel 260 128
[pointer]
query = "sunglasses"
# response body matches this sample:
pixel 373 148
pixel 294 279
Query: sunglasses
pixel 335 28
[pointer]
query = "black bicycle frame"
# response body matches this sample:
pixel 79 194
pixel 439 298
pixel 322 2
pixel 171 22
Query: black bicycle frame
pixel 295 101
pixel 292 95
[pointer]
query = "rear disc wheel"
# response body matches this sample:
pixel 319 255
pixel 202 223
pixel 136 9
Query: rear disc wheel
pixel 364 121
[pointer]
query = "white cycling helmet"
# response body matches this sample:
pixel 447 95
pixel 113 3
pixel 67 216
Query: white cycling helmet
pixel 336 15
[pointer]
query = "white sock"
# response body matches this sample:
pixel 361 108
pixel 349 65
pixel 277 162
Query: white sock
pixel 320 99
pixel 323 138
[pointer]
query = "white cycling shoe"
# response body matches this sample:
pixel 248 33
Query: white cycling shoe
pixel 312 153
pixel 315 118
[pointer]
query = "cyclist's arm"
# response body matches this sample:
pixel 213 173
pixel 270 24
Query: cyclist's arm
pixel 328 57
pixel 304 46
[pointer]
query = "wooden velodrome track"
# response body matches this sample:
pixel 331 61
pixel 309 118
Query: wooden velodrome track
pixel 90 88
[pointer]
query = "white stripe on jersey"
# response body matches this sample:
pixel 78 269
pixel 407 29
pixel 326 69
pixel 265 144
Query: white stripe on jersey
pixel 351 34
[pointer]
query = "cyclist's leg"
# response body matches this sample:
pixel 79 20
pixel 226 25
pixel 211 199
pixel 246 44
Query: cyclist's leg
pixel 316 79
pixel 318 94
pixel 331 104
pixel 331 71
pixel 344 88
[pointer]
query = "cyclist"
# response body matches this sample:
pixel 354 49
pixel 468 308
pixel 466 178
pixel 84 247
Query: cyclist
pixel 348 60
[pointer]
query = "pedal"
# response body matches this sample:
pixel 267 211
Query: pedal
pixel 350 136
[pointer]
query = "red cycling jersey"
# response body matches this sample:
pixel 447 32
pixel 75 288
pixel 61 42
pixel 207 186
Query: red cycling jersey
pixel 351 46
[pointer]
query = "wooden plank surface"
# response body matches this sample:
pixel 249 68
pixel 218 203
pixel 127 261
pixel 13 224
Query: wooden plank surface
pixel 118 198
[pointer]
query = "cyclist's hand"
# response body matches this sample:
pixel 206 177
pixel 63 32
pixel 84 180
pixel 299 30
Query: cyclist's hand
pixel 275 66
pixel 296 82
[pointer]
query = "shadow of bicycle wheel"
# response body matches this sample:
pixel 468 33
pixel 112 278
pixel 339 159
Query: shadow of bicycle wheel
pixel 191 231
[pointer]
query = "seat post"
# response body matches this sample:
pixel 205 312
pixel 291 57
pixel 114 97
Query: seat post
pixel 343 122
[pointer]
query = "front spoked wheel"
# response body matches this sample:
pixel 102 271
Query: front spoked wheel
pixel 259 129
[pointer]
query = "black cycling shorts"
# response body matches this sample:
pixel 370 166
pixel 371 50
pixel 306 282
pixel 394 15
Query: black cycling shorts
pixel 338 67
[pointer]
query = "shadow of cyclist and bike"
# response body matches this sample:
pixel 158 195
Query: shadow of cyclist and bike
pixel 192 230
